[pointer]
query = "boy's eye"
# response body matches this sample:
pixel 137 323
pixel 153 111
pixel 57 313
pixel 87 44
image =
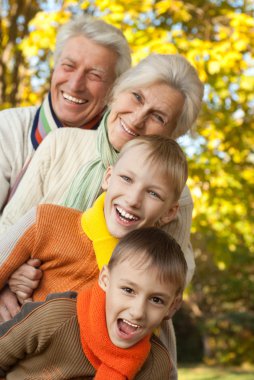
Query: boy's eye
pixel 154 194
pixel 126 178
pixel 158 300
pixel 127 290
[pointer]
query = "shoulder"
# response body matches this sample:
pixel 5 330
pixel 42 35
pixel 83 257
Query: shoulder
pixel 158 364
pixel 186 198
pixel 19 114
pixel 59 307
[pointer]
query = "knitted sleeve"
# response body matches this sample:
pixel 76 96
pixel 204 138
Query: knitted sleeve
pixel 180 229
pixel 15 146
pixel 32 183
pixel 16 246
pixel 31 332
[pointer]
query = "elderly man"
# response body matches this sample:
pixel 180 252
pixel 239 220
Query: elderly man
pixel 90 54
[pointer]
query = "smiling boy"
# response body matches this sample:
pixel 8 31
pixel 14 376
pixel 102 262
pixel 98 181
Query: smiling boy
pixel 143 189
pixel 106 331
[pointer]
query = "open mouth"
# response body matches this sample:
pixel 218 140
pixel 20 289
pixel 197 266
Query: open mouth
pixel 127 130
pixel 126 216
pixel 72 99
pixel 128 328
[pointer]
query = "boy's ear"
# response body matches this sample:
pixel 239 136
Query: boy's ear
pixel 104 278
pixel 168 216
pixel 106 178
pixel 176 304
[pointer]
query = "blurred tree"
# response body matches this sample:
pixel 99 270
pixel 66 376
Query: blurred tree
pixel 217 37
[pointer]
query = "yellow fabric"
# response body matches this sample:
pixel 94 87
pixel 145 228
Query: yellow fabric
pixel 94 225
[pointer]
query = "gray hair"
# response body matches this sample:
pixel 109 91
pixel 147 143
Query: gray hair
pixel 173 70
pixel 99 32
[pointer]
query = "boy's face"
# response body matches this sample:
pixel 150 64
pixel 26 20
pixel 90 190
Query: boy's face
pixel 136 302
pixel 138 194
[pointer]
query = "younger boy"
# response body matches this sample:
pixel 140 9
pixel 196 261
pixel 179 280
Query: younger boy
pixel 143 189
pixel 107 329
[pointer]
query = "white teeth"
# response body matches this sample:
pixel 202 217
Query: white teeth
pixel 125 214
pixel 131 324
pixel 72 99
pixel 127 129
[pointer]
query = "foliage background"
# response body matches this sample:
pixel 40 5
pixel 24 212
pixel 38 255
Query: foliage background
pixel 217 37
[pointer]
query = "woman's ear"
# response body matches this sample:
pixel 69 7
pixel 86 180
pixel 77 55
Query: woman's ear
pixel 106 178
pixel 104 278
pixel 169 215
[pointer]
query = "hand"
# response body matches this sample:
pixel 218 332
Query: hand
pixel 9 305
pixel 25 279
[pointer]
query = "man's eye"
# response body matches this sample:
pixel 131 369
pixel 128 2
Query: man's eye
pixel 95 76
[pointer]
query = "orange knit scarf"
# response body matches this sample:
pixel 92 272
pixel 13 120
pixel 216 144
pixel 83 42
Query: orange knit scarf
pixel 111 362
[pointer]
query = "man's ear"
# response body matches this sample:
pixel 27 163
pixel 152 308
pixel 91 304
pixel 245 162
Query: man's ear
pixel 169 215
pixel 106 178
pixel 175 305
pixel 104 278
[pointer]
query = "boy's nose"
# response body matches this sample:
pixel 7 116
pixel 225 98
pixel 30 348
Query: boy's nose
pixel 138 310
pixel 135 198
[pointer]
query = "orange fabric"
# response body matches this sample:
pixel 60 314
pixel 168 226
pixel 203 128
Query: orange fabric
pixel 56 233
pixel 111 362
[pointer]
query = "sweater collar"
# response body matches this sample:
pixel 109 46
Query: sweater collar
pixel 94 225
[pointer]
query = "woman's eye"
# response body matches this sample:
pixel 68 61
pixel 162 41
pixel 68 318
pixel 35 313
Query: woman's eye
pixel 137 96
pixel 158 118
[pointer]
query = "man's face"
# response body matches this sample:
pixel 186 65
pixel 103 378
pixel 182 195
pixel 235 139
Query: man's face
pixel 136 301
pixel 81 79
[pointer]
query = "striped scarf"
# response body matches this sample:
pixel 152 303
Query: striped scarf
pixel 46 121
pixel 86 185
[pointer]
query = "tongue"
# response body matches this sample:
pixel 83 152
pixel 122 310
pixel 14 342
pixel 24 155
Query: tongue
pixel 125 328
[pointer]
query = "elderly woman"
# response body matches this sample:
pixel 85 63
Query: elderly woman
pixel 162 95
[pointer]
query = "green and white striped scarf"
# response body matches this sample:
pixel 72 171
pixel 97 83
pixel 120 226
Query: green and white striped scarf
pixel 86 185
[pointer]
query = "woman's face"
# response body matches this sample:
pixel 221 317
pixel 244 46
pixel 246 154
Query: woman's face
pixel 142 111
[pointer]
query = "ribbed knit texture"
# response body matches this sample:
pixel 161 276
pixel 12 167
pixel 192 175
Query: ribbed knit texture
pixel 59 241
pixel 43 342
pixel 110 361
pixel 86 185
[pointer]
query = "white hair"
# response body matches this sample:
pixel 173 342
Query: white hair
pixel 175 71
pixel 99 32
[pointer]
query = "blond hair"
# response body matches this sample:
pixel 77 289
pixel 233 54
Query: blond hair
pixel 167 155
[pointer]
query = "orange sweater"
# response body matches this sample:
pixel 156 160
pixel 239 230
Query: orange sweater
pixel 58 238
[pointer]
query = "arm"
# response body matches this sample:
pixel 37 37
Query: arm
pixel 15 146
pixel 30 332
pixel 180 229
pixel 17 245
pixel 32 183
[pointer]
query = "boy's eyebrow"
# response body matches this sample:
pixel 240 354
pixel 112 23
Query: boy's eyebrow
pixel 134 284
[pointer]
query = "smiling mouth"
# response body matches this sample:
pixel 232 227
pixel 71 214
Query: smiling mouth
pixel 126 216
pixel 127 130
pixel 128 328
pixel 72 99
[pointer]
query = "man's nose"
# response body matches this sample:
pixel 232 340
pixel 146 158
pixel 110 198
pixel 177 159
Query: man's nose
pixel 77 81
